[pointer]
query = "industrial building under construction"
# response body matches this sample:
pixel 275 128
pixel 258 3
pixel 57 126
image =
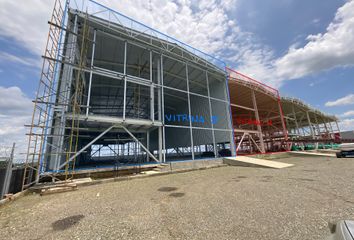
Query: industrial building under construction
pixel 114 91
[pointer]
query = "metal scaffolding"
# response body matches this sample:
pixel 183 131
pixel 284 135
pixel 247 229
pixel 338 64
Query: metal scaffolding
pixel 46 94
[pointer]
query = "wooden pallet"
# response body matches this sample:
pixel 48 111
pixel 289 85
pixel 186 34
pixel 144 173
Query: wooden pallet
pixel 58 187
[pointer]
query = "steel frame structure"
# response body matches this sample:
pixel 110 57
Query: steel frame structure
pixel 298 124
pixel 113 86
pixel 308 125
pixel 110 82
pixel 260 103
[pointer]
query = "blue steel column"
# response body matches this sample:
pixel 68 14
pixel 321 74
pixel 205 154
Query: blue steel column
pixel 163 113
pixel 189 113
pixel 211 114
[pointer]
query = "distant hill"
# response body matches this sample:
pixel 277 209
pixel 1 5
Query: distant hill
pixel 347 134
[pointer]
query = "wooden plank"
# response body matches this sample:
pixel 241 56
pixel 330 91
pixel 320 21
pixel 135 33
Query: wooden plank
pixel 57 190
pixel 254 162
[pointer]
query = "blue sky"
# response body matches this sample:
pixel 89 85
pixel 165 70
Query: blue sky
pixel 280 24
pixel 304 48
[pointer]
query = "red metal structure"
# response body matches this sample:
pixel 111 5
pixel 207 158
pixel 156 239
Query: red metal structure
pixel 253 104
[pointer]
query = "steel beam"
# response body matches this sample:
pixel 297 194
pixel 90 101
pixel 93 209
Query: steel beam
pixel 190 113
pixel 245 130
pixel 159 90
pixel 85 147
pixel 90 80
pixel 259 128
pixel 147 144
pixel 243 107
pixel 310 124
pixel 255 143
pixel 239 144
pixel 152 95
pixel 211 114
pixel 295 120
pixel 125 81
pixel 141 145
pixel 163 111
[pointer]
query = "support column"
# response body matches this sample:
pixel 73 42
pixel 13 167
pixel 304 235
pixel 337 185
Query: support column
pixel 163 112
pixel 159 109
pixel 211 115
pixel 287 121
pixel 311 128
pixel 301 126
pixel 318 131
pixel 317 126
pixel 125 81
pixel 189 113
pixel 148 145
pixel 297 127
pixel 160 143
pixel 331 128
pixel 152 96
pixel 283 124
pixel 337 126
pixel 329 135
pixel 310 125
pixel 295 120
pixel 325 125
pixel 90 80
pixel 259 128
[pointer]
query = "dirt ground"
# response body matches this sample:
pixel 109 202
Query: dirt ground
pixel 219 203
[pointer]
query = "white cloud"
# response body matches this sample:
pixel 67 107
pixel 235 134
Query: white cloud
pixel 202 24
pixel 26 22
pixel 203 27
pixel 324 50
pixel 348 114
pixel 13 101
pixel 15 112
pixel 207 25
pixel 346 124
pixel 8 57
pixel 347 100
pixel 315 21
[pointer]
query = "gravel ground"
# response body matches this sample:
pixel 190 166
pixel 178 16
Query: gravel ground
pixel 219 203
